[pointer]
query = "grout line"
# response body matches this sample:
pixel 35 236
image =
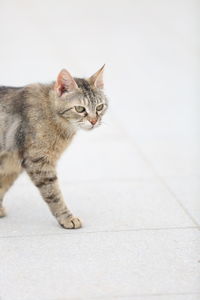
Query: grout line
pixel 162 181
pixel 79 232
pixel 179 201
pixel 103 181
pixel 133 296
pixel 113 180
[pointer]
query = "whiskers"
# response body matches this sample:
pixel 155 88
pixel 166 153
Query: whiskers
pixel 103 123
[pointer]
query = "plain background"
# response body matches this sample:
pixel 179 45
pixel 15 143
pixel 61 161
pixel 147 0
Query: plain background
pixel 151 53
pixel 150 49
pixel 136 180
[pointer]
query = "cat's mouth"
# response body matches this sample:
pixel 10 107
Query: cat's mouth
pixel 88 126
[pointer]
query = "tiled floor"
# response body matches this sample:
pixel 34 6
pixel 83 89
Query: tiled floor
pixel 135 181
pixel 140 238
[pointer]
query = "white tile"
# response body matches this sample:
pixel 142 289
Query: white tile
pixel 100 265
pixel 103 159
pixel 187 190
pixel 175 117
pixel 172 157
pixel 168 138
pixel 125 206
pixel 151 297
pixel 166 129
pixel 101 206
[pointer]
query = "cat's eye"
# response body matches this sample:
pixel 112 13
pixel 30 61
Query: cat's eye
pixel 99 107
pixel 80 109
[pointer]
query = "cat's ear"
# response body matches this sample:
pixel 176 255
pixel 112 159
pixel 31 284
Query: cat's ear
pixel 97 78
pixel 65 83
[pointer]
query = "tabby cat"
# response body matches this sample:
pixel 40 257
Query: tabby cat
pixel 37 123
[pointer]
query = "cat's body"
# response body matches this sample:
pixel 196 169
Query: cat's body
pixel 37 123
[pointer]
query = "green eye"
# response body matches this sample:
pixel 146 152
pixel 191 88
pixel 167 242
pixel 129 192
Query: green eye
pixel 79 109
pixel 99 107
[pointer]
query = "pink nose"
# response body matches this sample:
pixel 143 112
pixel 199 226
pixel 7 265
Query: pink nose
pixel 93 121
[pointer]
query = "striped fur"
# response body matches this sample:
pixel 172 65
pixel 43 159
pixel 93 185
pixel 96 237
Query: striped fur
pixel 36 125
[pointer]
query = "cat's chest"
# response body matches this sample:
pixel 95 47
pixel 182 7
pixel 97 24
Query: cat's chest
pixel 48 141
pixel 54 143
pixel 59 146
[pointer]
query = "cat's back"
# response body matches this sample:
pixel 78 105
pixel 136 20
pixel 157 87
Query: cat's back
pixel 9 98
pixel 8 91
pixel 11 101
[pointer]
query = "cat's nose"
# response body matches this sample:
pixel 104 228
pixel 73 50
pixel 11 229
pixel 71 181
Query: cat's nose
pixel 93 121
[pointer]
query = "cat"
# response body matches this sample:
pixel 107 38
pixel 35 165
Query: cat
pixel 37 123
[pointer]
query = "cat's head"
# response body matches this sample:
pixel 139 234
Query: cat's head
pixel 81 102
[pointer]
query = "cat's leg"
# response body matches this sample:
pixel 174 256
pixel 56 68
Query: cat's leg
pixel 44 177
pixel 6 181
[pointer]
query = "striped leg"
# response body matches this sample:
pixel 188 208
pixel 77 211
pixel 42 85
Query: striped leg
pixel 6 182
pixel 44 177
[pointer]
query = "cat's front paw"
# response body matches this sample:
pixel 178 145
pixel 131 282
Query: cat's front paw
pixel 70 222
pixel 2 212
